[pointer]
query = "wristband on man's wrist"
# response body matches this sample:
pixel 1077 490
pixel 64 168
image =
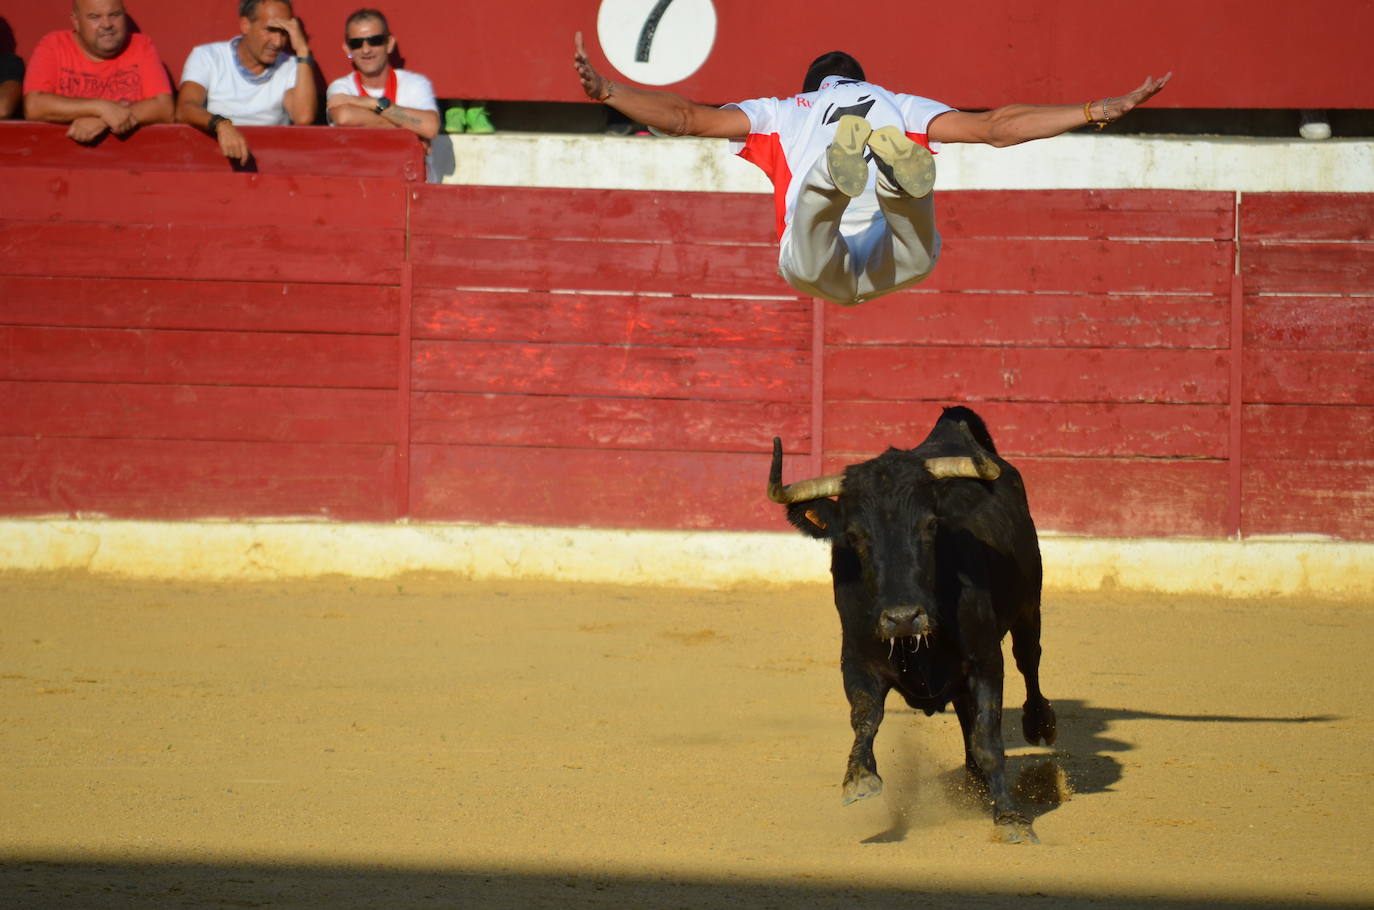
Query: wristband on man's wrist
pixel 215 121
pixel 308 58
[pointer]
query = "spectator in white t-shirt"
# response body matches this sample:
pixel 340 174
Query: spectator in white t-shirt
pixel 251 80
pixel 376 93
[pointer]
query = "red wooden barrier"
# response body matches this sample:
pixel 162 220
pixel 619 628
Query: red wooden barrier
pixel 601 358
pixel 1308 266
pixel 308 151
pixel 200 343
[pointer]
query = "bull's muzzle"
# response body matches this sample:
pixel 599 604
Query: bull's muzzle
pixel 904 622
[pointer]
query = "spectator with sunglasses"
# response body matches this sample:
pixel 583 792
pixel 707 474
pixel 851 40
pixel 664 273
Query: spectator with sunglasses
pixel 376 93
pixel 250 80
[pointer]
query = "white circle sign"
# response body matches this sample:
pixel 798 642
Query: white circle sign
pixel 656 42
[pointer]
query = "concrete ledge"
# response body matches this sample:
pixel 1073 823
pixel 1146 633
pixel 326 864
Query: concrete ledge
pixel 1073 161
pixel 229 551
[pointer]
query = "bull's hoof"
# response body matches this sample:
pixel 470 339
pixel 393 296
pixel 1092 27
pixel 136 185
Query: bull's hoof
pixel 1014 828
pixel 1038 723
pixel 861 786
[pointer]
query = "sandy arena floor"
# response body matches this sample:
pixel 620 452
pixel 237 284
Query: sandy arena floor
pixel 434 742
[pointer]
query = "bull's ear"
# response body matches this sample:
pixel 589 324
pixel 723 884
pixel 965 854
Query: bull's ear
pixel 815 517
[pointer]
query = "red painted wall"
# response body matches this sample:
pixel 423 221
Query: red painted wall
pixel 205 343
pixel 1225 53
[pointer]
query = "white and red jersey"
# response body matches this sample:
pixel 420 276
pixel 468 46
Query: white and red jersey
pixel 788 135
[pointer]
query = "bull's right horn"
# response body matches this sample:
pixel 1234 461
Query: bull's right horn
pixel 981 468
pixel 802 490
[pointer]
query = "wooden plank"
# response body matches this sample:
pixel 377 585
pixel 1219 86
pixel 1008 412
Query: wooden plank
pixel 166 479
pixel 1063 265
pixel 355 154
pixel 1274 267
pixel 1309 377
pixel 102 410
pixel 203 358
pixel 247 201
pixel 612 319
pixel 1309 323
pixel 597 370
pixel 859 429
pixel 1025 374
pixel 546 213
pixel 1086 213
pixel 545 265
pixel 1312 433
pixel 208 252
pixel 1307 216
pixel 1334 498
pixel 1127 497
pixel 1059 320
pixel 218 305
pixel 600 489
pixel 566 422
pixel 1118 497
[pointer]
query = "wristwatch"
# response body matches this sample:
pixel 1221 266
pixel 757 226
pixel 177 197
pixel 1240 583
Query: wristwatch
pixel 382 104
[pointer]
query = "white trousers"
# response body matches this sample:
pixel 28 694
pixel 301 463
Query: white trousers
pixel 893 252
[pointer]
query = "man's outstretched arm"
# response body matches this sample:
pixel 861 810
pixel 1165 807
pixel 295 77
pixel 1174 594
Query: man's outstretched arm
pixel 673 114
pixel 1017 123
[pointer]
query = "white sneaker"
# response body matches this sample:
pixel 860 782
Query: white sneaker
pixel 908 163
pixel 845 157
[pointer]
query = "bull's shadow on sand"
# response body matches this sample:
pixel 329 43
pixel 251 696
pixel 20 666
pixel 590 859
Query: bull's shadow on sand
pixel 1081 763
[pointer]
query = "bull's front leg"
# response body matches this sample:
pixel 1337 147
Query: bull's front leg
pixel 866 693
pixel 985 687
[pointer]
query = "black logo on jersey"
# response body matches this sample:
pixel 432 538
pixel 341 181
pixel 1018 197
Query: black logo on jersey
pixel 859 109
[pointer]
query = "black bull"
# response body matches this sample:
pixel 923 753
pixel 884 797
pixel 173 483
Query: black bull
pixel 934 558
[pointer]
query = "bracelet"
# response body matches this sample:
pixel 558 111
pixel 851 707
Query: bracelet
pixel 1087 111
pixel 308 58
pixel 215 122
pixel 1105 119
pixel 610 90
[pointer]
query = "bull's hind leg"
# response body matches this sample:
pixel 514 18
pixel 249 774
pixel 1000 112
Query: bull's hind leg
pixel 1038 720
pixel 866 696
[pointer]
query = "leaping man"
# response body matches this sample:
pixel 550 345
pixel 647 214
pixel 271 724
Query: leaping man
pixel 851 163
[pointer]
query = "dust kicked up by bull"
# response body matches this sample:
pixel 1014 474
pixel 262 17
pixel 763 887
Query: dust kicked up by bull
pixel 935 559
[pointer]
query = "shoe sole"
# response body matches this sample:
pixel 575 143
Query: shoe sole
pixel 912 165
pixel 845 157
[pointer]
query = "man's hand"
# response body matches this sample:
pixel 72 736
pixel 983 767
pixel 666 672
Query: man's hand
pixel 118 117
pixel 87 129
pixel 1120 107
pixel 594 84
pixel 232 143
pixel 293 30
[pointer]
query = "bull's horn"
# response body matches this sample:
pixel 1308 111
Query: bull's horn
pixel 802 490
pixel 987 468
pixel 977 468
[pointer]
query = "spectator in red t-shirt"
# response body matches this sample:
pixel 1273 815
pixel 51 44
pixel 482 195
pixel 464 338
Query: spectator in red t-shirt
pixel 97 77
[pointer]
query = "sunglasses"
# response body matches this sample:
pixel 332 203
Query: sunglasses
pixel 374 40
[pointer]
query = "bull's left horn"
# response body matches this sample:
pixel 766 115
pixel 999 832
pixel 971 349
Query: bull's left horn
pixel 982 468
pixel 802 490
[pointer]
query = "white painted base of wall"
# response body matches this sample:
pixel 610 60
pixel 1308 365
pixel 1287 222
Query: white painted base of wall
pixel 233 551
pixel 1071 161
